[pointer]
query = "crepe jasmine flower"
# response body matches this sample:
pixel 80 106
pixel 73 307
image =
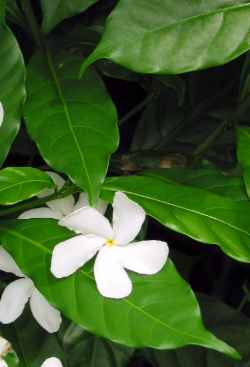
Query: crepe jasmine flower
pixel 1 114
pixel 52 362
pixel 5 348
pixel 112 244
pixel 19 292
pixel 59 208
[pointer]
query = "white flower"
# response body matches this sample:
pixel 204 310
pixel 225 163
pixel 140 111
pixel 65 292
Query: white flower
pixel 113 247
pixel 1 114
pixel 59 208
pixel 19 292
pixel 5 348
pixel 52 362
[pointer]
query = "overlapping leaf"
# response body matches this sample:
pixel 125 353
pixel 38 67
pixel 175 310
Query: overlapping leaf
pixel 12 90
pixel 162 311
pixel 73 122
pixel 200 214
pixel 171 37
pixel 243 152
pixel 21 183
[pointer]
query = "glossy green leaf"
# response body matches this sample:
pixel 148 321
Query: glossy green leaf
pixel 12 91
pixel 72 121
pixel 172 37
pixel 161 312
pixel 205 178
pixel 21 183
pixel 85 349
pixel 31 343
pixel 226 322
pixel 57 10
pixel 243 153
pixel 200 214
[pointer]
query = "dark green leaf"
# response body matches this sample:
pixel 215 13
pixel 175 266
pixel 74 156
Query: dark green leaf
pixel 12 91
pixel 200 214
pixel 21 183
pixel 243 152
pixel 205 178
pixel 172 37
pixel 57 10
pixel 145 318
pixel 73 122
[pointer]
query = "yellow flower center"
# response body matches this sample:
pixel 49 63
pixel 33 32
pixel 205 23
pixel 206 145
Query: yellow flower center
pixel 110 242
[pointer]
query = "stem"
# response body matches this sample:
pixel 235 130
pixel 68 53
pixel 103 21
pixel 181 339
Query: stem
pixel 136 109
pixel 204 146
pixel 31 19
pixel 35 203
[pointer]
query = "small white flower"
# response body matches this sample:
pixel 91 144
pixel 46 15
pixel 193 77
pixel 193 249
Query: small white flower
pixel 5 348
pixel 1 114
pixel 59 208
pixel 113 247
pixel 52 362
pixel 19 292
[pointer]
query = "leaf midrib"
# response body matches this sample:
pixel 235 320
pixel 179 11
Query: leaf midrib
pixel 130 303
pixel 23 183
pixel 196 212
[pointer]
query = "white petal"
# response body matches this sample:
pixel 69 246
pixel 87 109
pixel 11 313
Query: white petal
pixel 58 181
pixel 8 264
pixel 70 255
pixel 52 362
pixel 62 206
pixel 1 114
pixel 128 218
pixel 88 221
pixel 111 279
pixel 3 363
pixel 101 205
pixel 145 257
pixel 14 298
pixel 4 346
pixel 39 213
pixel 45 314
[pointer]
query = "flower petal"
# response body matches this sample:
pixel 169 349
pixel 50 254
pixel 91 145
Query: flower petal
pixel 5 346
pixel 111 279
pixel 8 264
pixel 3 363
pixel 128 218
pixel 58 181
pixel 144 257
pixel 52 362
pixel 101 205
pixel 45 314
pixel 70 255
pixel 14 298
pixel 62 206
pixel 1 114
pixel 39 213
pixel 88 220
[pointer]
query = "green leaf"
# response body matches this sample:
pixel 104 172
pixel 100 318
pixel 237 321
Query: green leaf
pixel 31 343
pixel 225 322
pixel 200 214
pixel 73 122
pixel 21 183
pixel 161 312
pixel 57 10
pixel 243 153
pixel 14 14
pixel 12 91
pixel 205 178
pixel 166 37
pixel 87 350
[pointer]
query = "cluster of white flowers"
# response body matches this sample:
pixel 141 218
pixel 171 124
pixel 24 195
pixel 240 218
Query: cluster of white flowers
pixel 112 245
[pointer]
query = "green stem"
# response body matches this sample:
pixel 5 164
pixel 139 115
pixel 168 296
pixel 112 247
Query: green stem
pixel 205 145
pixel 136 109
pixel 35 203
pixel 31 19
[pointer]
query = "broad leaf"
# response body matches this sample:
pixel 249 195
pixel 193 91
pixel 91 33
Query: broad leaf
pixel 31 343
pixel 21 183
pixel 200 214
pixel 224 321
pixel 73 122
pixel 206 178
pixel 172 37
pixel 12 90
pixel 243 152
pixel 57 10
pixel 161 312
